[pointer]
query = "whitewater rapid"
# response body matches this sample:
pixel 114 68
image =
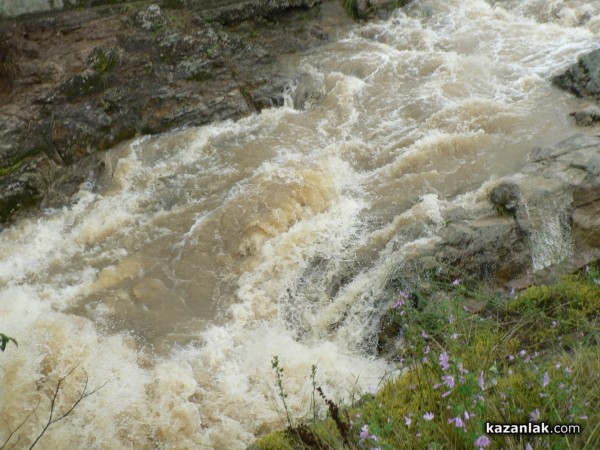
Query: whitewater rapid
pixel 205 252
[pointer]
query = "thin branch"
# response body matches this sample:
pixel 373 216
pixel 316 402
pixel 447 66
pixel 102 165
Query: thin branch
pixel 82 395
pixel 18 428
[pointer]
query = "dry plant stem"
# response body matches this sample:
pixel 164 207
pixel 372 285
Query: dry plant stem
pixel 17 429
pixel 82 395
pixel 53 418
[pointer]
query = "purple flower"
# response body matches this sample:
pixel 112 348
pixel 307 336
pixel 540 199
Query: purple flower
pixel 448 380
pixel 444 364
pixel 528 446
pixel 399 303
pixel 364 432
pixel 456 282
pixel 534 415
pixel 458 423
pixel 425 360
pixel 424 335
pixel 451 318
pixel 467 416
pixel 511 357
pixel 447 393
pixel 481 381
pixel 522 352
pixel 428 416
pixel 407 421
pixel 546 380
pixel 426 351
pixel 402 294
pixel 482 441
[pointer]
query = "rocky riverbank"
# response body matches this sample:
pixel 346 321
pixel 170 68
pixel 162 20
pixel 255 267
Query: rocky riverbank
pixel 82 79
pixel 74 83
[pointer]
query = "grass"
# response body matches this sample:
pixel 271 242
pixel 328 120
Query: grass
pixel 530 357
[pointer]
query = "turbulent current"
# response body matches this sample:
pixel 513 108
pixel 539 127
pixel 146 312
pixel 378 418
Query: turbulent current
pixel 205 252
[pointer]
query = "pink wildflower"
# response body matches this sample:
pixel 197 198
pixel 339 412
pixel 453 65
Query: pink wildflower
pixel 482 441
pixel 481 381
pixel 364 432
pixel 456 282
pixel 399 303
pixel 444 364
pixel 458 423
pixel 546 380
pixel 448 380
pixel 534 415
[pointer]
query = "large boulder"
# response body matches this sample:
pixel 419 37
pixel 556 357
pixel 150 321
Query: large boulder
pixel 583 80
pixel 583 77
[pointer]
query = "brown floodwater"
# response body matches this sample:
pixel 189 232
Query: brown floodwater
pixel 207 251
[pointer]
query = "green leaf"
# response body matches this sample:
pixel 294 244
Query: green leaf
pixel 5 340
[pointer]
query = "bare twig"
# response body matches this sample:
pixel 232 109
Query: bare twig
pixel 17 429
pixel 51 418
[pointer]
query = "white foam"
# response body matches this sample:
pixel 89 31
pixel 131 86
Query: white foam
pixel 279 230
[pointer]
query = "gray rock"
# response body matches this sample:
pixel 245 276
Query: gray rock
pixel 506 196
pixel 587 117
pixel 150 18
pixel 366 9
pixel 583 77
